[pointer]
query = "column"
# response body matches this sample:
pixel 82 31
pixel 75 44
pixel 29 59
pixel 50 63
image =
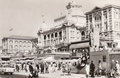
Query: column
pixel 102 27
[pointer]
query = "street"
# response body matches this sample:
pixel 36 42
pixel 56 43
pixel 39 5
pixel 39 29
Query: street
pixel 56 74
pixel 15 76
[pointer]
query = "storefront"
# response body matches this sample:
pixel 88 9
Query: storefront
pixel 79 48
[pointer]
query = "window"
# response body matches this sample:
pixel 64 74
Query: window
pixel 20 46
pixel 20 42
pixel 10 41
pixel 29 41
pixel 52 35
pixel 44 37
pixel 11 46
pixel 104 58
pixel 16 46
pixel 16 42
pixel 109 45
pixel 55 34
pixel 60 33
pixel 24 41
pixel 48 36
pixel 83 33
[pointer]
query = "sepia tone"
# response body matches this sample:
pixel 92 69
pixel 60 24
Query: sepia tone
pixel 59 39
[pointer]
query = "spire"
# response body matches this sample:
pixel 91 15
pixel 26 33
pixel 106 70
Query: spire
pixel 43 25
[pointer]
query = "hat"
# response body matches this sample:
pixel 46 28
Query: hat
pixel 116 61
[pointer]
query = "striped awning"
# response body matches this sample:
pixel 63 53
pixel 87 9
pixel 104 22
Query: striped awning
pixel 79 45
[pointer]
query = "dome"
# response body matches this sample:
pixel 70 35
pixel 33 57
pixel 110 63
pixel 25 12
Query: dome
pixel 76 9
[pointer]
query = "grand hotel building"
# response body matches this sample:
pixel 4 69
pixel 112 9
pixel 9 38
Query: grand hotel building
pixel 15 45
pixel 104 26
pixel 99 29
pixel 69 28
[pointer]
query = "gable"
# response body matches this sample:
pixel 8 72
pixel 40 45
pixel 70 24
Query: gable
pixel 96 8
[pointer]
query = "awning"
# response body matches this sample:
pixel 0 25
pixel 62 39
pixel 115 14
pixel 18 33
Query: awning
pixel 79 45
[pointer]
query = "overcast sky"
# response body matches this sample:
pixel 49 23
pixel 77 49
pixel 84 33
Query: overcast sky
pixel 24 16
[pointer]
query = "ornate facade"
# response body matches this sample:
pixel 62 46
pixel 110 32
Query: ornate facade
pixel 105 22
pixel 66 31
pixel 18 45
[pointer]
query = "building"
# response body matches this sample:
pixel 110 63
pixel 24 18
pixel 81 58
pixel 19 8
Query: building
pixel 66 31
pixel 73 15
pixel 103 24
pixel 18 45
pixel 0 49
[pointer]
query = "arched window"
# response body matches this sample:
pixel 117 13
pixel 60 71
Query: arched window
pixel 10 41
pixel 20 42
pixel 83 35
pixel 16 41
pixel 16 46
pixel 44 37
pixel 52 35
pixel 60 33
pixel 48 36
pixel 55 34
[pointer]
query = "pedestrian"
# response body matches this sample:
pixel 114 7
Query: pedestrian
pixel 112 68
pixel 22 66
pixel 69 68
pixel 42 68
pixel 117 68
pixel 31 68
pixel 59 66
pixel 27 67
pixel 87 69
pixel 17 68
pixel 92 69
pixel 46 67
pixel 63 68
pixel 99 68
pixel 37 66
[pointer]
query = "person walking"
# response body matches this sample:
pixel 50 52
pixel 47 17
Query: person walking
pixel 42 68
pixel 17 68
pixel 37 66
pixel 112 68
pixel 87 69
pixel 63 68
pixel 99 68
pixel 31 68
pixel 69 68
pixel 92 69
pixel 117 70
pixel 59 66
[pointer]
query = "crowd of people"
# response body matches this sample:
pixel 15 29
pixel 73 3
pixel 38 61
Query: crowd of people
pixel 45 67
pixel 92 70
pixel 65 67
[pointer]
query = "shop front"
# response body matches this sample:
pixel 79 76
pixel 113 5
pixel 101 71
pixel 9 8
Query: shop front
pixel 79 48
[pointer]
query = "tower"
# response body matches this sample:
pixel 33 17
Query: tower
pixel 43 27
pixel 75 14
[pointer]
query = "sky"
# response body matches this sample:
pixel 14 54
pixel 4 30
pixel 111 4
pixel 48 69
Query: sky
pixel 24 17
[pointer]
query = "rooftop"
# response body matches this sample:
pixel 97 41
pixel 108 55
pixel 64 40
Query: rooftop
pixel 102 8
pixel 20 37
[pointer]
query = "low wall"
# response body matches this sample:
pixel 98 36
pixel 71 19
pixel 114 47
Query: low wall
pixel 106 57
pixel 100 55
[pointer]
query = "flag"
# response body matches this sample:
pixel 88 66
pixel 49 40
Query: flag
pixel 68 6
pixel 10 29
